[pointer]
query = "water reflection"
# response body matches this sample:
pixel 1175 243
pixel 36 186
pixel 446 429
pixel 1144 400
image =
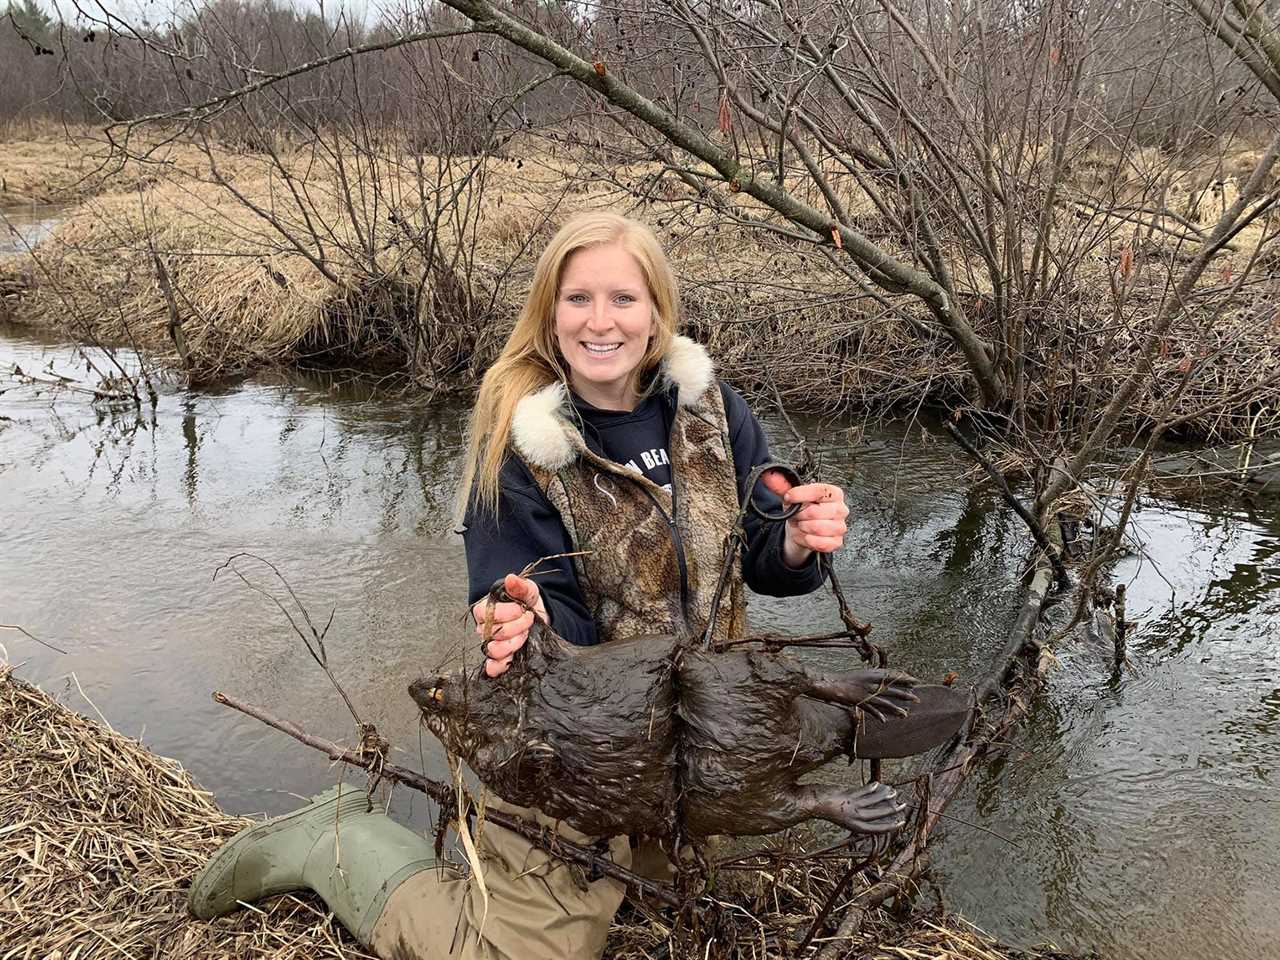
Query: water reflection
pixel 1153 829
pixel 23 225
pixel 1136 813
pixel 192 440
pixel 113 525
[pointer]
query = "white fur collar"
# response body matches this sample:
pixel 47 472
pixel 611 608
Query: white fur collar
pixel 546 438
pixel 688 365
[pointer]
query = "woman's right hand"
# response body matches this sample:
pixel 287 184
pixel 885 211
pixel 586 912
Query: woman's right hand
pixel 510 622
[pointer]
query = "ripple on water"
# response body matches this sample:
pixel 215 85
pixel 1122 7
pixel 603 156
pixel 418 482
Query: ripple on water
pixel 1154 832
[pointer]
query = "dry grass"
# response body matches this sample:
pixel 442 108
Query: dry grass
pixel 50 163
pixel 44 167
pixel 100 838
pixel 248 299
pixel 949 938
pixel 765 914
pixel 924 937
pixel 318 271
pixel 99 841
pixel 333 267
pixel 250 293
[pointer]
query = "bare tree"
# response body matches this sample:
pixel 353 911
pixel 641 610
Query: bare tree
pixel 1054 199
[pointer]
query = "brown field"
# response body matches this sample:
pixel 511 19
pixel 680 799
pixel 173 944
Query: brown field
pixel 323 254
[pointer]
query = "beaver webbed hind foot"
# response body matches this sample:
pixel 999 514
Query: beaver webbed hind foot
pixel 870 809
pixel 874 808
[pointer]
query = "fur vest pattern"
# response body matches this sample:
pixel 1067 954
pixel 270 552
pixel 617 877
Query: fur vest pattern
pixel 651 558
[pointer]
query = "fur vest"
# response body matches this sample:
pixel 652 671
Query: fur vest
pixel 652 558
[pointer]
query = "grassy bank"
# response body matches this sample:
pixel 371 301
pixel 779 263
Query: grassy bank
pixel 101 838
pixel 220 262
pixel 46 162
pixel 286 260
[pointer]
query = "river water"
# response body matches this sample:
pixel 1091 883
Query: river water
pixel 1136 814
pixel 23 225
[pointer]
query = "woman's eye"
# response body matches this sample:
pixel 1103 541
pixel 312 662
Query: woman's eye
pixel 576 298
pixel 625 298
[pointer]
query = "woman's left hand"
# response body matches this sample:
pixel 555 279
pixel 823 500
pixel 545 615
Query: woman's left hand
pixel 819 526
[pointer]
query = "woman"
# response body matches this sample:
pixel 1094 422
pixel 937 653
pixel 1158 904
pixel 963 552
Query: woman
pixel 599 430
pixel 601 433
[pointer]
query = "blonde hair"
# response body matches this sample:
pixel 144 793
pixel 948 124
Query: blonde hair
pixel 531 359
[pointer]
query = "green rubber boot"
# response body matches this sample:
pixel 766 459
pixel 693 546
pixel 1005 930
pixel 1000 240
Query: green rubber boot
pixel 352 859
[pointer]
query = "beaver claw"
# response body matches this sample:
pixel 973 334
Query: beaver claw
pixel 878 692
pixel 874 808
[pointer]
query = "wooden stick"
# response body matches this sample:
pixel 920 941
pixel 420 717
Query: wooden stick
pixel 1016 675
pixel 1037 531
pixel 536 834
pixel 1122 627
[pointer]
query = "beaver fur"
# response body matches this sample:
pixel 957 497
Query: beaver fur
pixel 655 736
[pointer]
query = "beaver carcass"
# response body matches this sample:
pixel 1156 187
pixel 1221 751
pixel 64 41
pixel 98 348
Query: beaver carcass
pixel 643 735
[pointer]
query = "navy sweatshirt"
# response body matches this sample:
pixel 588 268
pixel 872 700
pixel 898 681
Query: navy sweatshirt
pixel 528 527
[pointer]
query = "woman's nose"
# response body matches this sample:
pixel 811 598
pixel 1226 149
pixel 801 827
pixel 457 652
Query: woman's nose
pixel 600 317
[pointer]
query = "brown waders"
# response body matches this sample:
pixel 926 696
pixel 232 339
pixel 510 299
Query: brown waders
pixel 538 908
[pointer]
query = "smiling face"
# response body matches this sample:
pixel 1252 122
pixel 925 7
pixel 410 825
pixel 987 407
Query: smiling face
pixel 604 318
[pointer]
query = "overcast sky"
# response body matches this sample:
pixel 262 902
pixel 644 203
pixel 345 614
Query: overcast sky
pixel 160 11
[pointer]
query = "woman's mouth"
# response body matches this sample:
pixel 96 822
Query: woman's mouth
pixel 600 349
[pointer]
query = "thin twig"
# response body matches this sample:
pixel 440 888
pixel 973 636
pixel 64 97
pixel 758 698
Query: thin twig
pixel 318 652
pixel 29 634
pixel 1061 577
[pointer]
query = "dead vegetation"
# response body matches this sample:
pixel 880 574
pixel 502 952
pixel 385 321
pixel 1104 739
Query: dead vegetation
pixel 100 838
pixel 926 937
pixel 49 163
pixel 380 259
